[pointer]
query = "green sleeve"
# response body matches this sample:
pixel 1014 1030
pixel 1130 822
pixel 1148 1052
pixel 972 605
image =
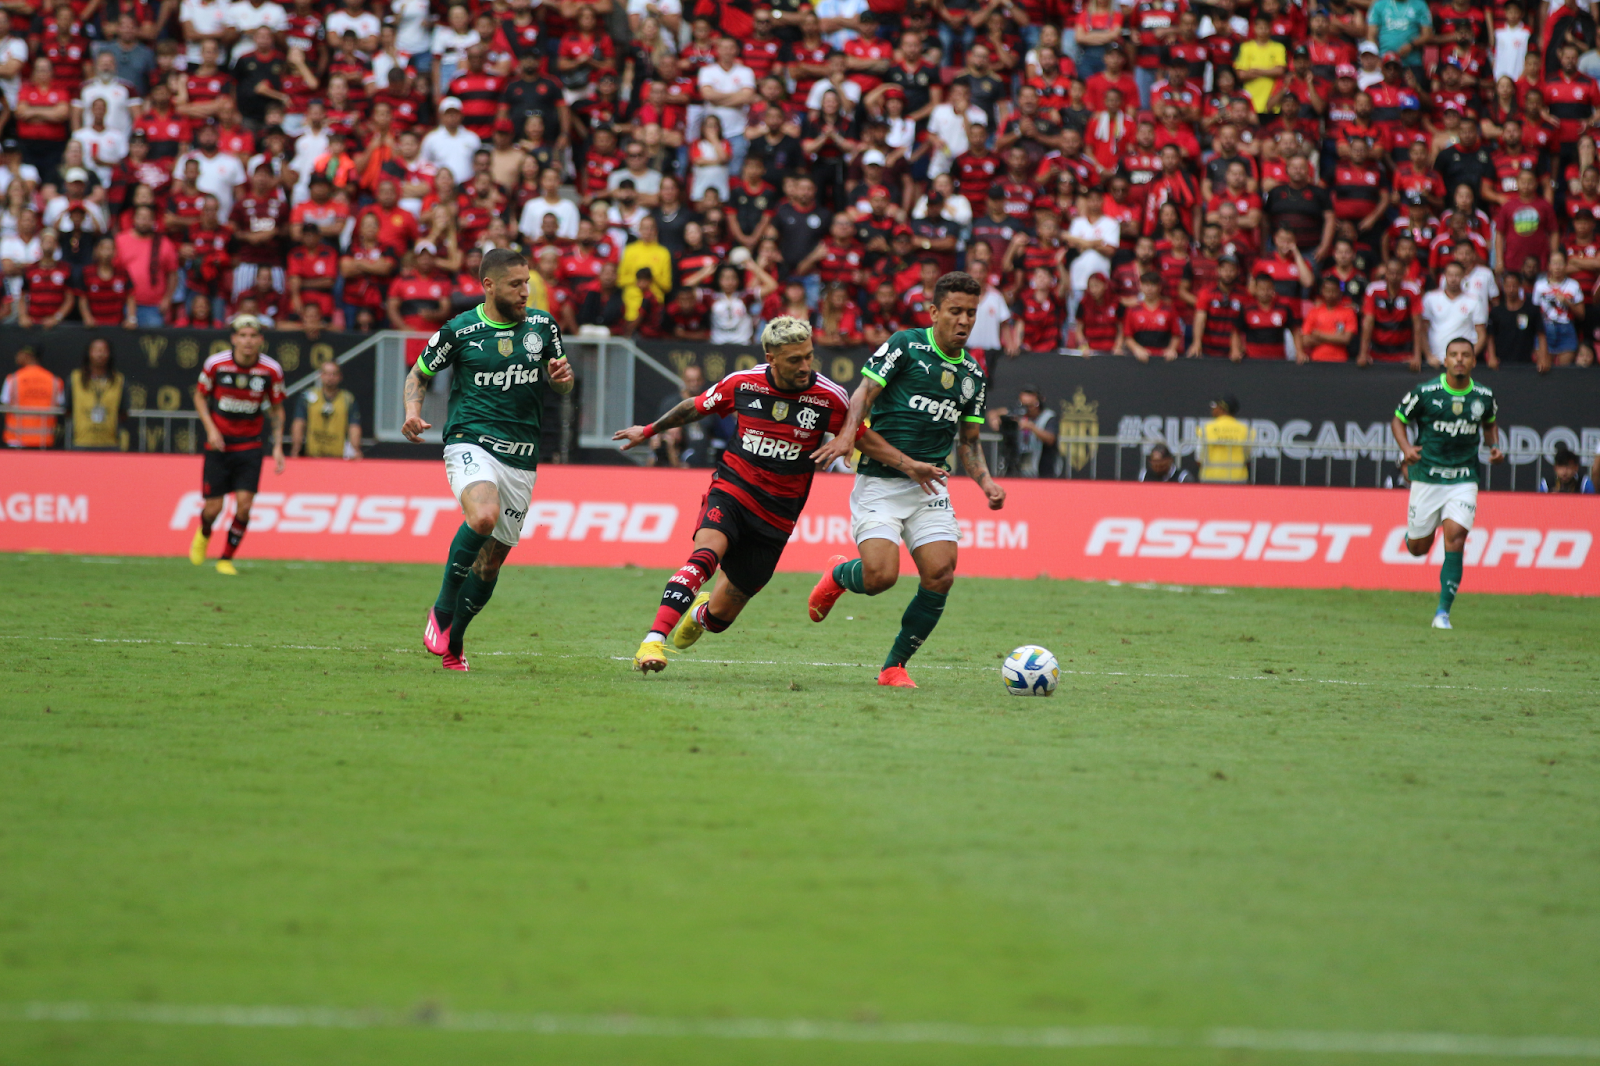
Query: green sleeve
pixel 1407 408
pixel 972 410
pixel 884 363
pixel 439 353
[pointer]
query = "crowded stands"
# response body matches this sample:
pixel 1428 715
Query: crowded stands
pixel 1357 182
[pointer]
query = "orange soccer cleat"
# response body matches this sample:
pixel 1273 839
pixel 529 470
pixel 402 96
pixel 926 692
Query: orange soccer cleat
pixel 896 677
pixel 827 591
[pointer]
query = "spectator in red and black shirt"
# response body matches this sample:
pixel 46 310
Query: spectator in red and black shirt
pixel 1266 321
pixel 1097 321
pixel 1390 327
pixel 419 299
pixel 1302 208
pixel 1359 193
pixel 1041 310
pixel 105 291
pixel 313 268
pixel 165 129
pixel 1219 316
pixel 42 111
pixel 479 93
pixel 1151 327
pixel 882 318
pixel 47 296
pixel 1285 267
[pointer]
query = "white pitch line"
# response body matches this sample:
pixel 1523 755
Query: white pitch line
pixel 768 662
pixel 266 1017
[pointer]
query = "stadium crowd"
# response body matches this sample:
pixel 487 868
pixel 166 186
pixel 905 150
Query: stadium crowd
pixel 1232 179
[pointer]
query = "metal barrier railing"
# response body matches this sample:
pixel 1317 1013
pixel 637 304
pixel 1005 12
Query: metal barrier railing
pixel 1099 458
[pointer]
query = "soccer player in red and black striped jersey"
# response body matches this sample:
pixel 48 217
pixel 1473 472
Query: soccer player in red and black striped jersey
pixel 1219 316
pixel 783 408
pixel 237 392
pixel 1390 329
pixel 105 290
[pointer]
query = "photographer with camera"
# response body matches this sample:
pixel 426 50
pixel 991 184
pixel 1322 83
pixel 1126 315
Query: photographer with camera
pixel 1028 436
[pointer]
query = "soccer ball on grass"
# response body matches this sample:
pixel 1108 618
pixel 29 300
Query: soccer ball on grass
pixel 1030 671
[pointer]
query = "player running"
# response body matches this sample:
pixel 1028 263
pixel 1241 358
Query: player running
pixel 237 391
pixel 491 435
pixel 760 486
pixel 1448 413
pixel 923 393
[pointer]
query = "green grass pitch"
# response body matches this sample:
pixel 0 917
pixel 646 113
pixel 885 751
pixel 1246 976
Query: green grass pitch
pixel 1279 811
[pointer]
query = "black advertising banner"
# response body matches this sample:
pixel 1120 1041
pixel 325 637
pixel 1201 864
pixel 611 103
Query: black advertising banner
pixel 161 366
pixel 1309 421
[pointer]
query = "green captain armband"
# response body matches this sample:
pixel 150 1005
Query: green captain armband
pixel 873 375
pixel 422 368
pixel 972 418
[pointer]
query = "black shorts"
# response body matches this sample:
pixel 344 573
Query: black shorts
pixel 227 472
pixel 754 547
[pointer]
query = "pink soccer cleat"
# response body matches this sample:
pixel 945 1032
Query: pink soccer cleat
pixel 896 677
pixel 827 591
pixel 452 661
pixel 435 639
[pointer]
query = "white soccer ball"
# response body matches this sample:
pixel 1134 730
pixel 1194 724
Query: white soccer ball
pixel 1030 671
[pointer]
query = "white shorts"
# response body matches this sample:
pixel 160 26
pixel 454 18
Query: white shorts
pixel 898 509
pixel 1432 504
pixel 465 464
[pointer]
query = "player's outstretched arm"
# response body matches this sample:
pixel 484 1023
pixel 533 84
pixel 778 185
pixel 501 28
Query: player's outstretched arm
pixel 971 453
pixel 681 415
pixel 860 403
pixel 927 475
pixel 415 389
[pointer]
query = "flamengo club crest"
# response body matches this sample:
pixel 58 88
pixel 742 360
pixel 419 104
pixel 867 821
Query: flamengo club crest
pixel 780 408
pixel 948 378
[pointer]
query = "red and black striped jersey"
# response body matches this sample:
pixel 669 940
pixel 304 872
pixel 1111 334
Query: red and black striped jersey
pixel 974 173
pixel 1571 99
pixel 1285 275
pixel 480 101
pixel 767 466
pixel 1149 18
pixel 1507 165
pixel 1224 317
pixel 107 297
pixel 1043 315
pixel 1154 328
pixel 1356 191
pixel 1263 330
pixel 1393 320
pixel 1098 320
pixel 46 285
pixel 239 397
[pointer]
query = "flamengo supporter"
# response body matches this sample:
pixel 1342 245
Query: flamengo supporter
pixel 1329 327
pixel 238 390
pixel 1390 330
pixel 1452 313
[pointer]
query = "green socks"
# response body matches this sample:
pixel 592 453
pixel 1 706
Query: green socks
pixel 475 593
pixel 915 625
pixel 1449 580
pixel 463 553
pixel 849 575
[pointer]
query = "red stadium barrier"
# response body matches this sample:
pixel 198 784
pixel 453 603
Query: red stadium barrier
pixel 400 511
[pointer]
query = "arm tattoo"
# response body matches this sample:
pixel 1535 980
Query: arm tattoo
pixel 680 415
pixel 971 451
pixel 414 389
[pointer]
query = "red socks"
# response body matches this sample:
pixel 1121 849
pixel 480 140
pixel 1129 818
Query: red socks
pixel 683 588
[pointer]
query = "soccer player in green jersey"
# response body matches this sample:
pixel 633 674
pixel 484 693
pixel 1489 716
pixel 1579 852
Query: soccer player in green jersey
pixel 504 355
pixel 924 394
pixel 1448 413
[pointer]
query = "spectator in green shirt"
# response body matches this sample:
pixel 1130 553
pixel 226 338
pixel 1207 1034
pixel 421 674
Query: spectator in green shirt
pixel 1401 27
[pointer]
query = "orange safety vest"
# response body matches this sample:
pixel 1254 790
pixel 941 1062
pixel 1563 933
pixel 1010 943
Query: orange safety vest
pixel 32 386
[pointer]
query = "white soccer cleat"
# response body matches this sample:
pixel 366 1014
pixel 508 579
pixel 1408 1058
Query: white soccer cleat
pixel 1442 620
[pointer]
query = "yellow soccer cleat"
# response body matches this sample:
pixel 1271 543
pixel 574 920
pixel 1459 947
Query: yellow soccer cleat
pixel 225 568
pixel 651 658
pixel 197 548
pixel 687 631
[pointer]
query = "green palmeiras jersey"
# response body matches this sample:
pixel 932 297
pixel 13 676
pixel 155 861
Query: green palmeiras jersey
pixel 926 395
pixel 497 389
pixel 1448 424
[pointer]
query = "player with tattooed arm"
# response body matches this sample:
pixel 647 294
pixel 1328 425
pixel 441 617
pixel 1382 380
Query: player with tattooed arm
pixel 505 355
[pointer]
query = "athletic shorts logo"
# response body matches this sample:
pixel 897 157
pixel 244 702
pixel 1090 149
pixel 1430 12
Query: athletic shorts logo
pixel 714 515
